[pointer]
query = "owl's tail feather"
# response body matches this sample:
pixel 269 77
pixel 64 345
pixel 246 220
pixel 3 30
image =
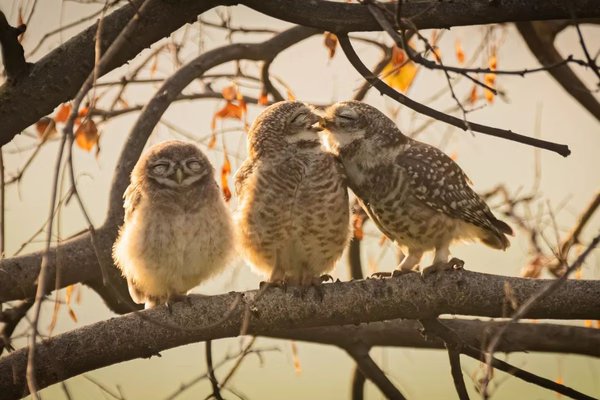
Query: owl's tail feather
pixel 495 239
pixel 502 227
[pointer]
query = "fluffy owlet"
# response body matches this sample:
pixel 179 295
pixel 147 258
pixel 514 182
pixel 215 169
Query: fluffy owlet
pixel 415 194
pixel 294 216
pixel 177 229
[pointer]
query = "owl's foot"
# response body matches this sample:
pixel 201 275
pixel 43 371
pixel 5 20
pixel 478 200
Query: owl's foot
pixel 282 284
pixel 451 265
pixel 380 275
pixel 325 278
pixel 402 272
pixel 177 298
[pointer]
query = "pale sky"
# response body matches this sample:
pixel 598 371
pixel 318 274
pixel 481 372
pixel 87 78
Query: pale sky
pixel 567 185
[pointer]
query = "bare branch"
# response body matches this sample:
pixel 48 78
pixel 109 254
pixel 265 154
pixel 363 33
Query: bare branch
pixel 457 376
pixel 423 109
pixel 343 303
pixel 370 370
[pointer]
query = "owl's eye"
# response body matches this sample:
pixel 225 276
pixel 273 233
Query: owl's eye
pixel 298 118
pixel 160 169
pixel 194 165
pixel 348 116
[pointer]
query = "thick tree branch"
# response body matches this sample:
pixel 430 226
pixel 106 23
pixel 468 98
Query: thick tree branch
pixel 539 37
pixel 459 292
pixel 55 78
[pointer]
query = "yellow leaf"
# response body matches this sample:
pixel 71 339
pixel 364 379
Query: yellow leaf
pixel 400 77
pixel 588 323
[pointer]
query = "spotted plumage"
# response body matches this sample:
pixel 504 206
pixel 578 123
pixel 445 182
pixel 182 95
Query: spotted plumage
pixel 293 215
pixel 177 230
pixel 417 195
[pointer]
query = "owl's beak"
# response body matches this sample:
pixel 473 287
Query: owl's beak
pixel 179 175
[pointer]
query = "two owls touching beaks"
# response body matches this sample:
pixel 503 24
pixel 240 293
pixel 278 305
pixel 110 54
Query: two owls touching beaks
pixel 293 216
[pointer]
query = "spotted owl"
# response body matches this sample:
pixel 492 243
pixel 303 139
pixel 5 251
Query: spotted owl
pixel 293 216
pixel 177 230
pixel 415 194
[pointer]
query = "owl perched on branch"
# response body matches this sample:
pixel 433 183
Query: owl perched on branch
pixel 294 215
pixel 177 230
pixel 415 194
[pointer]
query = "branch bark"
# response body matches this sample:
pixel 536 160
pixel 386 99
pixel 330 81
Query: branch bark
pixel 128 337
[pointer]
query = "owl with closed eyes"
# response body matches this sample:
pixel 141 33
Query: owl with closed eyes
pixel 177 230
pixel 293 216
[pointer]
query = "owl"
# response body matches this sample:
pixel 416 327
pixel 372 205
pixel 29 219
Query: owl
pixel 293 216
pixel 415 194
pixel 177 230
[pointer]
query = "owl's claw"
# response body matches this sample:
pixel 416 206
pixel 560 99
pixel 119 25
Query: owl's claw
pixel 263 285
pixel 402 272
pixel 325 278
pixel 381 275
pixel 453 264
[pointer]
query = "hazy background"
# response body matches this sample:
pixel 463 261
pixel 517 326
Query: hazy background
pixel 567 185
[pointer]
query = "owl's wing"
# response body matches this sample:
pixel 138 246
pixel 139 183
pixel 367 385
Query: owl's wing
pixel 242 175
pixel 436 180
pixel 133 196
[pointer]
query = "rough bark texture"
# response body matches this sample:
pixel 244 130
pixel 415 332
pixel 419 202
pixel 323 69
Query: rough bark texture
pixel 458 292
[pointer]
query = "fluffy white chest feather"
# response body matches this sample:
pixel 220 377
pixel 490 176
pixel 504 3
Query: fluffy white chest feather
pixel 169 251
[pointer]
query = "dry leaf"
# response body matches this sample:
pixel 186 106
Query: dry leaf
pixel 213 141
pixel 45 128
pixel 331 43
pixel 297 365
pixel 229 92
pixel 68 295
pixel 290 95
pixel 473 96
pixel 86 135
pixel 225 172
pixel 263 100
pixel 400 72
pixel 460 54
pixel 63 113
pixel 357 224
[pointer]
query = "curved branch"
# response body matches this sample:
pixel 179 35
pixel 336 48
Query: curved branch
pixel 539 37
pixel 371 370
pixel 342 303
pixel 430 112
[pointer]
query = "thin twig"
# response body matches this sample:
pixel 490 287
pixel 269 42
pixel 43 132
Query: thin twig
pixel 524 309
pixel 211 372
pixel 457 376
pixel 423 109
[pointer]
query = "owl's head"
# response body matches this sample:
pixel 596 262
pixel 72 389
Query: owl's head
pixel 282 124
pixel 173 164
pixel 351 123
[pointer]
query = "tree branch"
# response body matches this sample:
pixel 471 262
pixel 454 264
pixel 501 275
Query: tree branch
pixel 13 55
pixel 371 370
pixel 423 109
pixel 343 303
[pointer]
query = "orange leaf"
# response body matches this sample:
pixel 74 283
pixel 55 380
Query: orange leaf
pixel 86 135
pixel 460 54
pixel 331 43
pixel 357 224
pixel 83 112
pixel 229 92
pixel 290 95
pixel 68 295
pixel 263 100
pixel 297 365
pixel 493 62
pixel 473 96
pixel 588 323
pixel 63 112
pixel 225 172
pixel 400 77
pixel 46 128
pixel 398 56
pixel 213 141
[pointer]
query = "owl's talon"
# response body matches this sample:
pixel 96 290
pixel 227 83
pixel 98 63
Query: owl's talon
pixel 452 265
pixel 402 272
pixel 381 275
pixel 325 278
